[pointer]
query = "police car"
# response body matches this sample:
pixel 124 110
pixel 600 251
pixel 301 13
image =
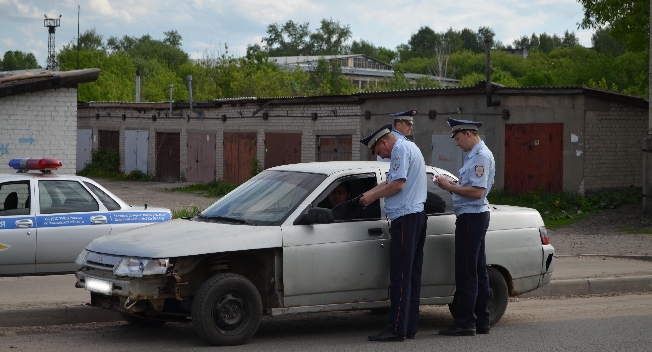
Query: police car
pixel 275 245
pixel 46 219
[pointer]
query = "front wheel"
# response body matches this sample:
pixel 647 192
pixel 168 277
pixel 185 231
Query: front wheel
pixel 226 310
pixel 498 299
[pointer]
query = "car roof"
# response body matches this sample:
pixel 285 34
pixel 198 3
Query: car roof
pixel 331 167
pixel 18 176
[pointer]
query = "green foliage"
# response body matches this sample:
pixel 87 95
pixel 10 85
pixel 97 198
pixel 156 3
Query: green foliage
pixel 213 189
pixel 294 39
pixel 18 60
pixel 255 166
pixel 189 212
pixel 604 43
pixel 560 208
pixel 627 20
pixel 104 164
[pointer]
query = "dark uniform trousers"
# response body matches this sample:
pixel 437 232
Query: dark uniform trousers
pixel 405 260
pixel 471 279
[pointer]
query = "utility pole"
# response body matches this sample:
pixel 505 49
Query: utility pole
pixel 52 24
pixel 647 143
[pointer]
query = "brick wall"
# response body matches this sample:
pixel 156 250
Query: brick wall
pixel 613 144
pixel 40 124
pixel 333 119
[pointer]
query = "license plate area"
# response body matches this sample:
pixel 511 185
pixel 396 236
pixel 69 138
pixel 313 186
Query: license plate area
pixel 99 286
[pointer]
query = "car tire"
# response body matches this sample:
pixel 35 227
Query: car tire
pixel 142 321
pixel 226 310
pixel 499 297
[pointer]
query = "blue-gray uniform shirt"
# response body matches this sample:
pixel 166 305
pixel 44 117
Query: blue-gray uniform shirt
pixel 479 170
pixel 407 163
pixel 397 134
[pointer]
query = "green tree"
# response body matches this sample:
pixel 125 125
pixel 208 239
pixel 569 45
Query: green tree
pixel 422 44
pixel 89 40
pixel 625 20
pixel 330 38
pixel 604 43
pixel 18 60
pixel 144 48
pixel 290 39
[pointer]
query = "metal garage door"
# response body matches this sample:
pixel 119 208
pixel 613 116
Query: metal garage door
pixel 201 157
pixel 282 149
pixel 239 151
pixel 534 157
pixel 168 157
pixel 84 147
pixel 136 145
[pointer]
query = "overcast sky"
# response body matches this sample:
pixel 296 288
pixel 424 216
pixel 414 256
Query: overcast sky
pixel 209 24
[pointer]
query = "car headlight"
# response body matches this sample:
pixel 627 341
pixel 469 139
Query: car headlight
pixel 81 258
pixel 138 267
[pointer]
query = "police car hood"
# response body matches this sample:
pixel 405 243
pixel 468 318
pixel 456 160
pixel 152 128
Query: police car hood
pixel 181 237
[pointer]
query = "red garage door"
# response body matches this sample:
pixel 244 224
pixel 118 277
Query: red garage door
pixel 534 157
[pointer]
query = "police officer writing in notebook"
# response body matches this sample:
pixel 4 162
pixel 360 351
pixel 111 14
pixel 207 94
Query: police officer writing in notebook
pixel 403 122
pixel 472 211
pixel 405 194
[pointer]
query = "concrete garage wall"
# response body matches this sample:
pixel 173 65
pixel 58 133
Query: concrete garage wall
pixel 332 119
pixel 601 138
pixel 613 143
pixel 39 124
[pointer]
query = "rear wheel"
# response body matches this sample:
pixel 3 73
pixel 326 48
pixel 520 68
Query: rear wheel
pixel 226 310
pixel 498 299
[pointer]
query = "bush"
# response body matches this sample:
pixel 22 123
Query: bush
pixel 104 163
pixel 560 208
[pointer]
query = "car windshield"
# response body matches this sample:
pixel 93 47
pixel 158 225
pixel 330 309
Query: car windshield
pixel 266 199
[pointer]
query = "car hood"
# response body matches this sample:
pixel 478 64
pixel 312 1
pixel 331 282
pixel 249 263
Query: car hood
pixel 181 237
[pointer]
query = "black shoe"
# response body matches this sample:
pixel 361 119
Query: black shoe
pixel 457 332
pixel 482 329
pixel 411 336
pixel 386 336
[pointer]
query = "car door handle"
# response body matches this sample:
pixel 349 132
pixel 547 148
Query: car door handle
pixel 24 223
pixel 99 219
pixel 375 232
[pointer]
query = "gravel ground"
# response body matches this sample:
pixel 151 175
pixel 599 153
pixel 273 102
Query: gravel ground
pixel 600 234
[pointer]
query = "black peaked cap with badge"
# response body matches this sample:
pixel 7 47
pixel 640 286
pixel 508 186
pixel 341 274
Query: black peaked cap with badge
pixel 370 140
pixel 407 116
pixel 461 125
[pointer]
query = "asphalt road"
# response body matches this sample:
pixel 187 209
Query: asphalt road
pixel 597 323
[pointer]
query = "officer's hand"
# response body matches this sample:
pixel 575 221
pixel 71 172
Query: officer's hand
pixel 365 200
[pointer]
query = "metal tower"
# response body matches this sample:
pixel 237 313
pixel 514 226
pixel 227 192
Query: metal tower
pixel 52 24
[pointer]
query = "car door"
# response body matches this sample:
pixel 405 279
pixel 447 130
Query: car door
pixel 438 277
pixel 68 218
pixel 17 229
pixel 343 262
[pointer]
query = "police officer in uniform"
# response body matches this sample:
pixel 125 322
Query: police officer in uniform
pixel 405 194
pixel 472 212
pixel 403 122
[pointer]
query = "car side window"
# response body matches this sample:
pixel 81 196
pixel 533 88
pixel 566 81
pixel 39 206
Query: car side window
pixel 438 201
pixel 342 197
pixel 15 198
pixel 65 197
pixel 108 202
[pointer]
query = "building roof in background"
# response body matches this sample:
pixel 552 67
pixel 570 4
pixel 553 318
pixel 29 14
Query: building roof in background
pixel 34 80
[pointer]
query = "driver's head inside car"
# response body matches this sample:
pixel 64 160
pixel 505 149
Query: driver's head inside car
pixel 340 194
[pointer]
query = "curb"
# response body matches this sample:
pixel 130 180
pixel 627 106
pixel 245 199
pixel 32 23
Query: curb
pixel 578 287
pixel 56 316
pixel 88 314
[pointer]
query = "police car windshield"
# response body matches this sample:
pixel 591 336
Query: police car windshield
pixel 267 199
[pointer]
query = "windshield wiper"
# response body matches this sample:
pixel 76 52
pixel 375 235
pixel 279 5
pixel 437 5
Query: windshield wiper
pixel 224 218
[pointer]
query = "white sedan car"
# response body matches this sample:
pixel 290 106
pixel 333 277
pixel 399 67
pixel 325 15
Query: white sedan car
pixel 47 219
pixel 272 246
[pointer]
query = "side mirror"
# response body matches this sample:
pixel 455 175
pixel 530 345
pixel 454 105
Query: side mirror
pixel 319 216
pixel 315 216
